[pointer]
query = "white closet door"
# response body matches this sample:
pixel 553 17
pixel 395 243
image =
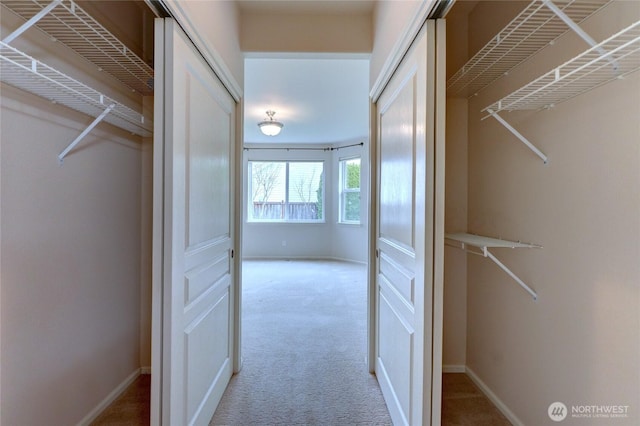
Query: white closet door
pixel 405 232
pixel 194 189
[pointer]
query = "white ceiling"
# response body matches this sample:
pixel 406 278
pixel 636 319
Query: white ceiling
pixel 318 100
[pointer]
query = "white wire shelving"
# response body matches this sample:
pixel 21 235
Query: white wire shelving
pixel 465 240
pixel 584 72
pixel 540 23
pixel 609 60
pixel 68 23
pixel 24 72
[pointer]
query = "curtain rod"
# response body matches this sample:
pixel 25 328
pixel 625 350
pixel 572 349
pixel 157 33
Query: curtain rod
pixel 305 149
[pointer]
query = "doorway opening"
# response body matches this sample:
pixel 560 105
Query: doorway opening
pixel 305 220
pixel 298 198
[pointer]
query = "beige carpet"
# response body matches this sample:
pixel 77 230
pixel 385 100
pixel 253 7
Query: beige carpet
pixel 304 343
pixel 464 404
pixel 131 408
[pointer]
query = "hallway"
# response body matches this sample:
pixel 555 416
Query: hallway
pixel 304 348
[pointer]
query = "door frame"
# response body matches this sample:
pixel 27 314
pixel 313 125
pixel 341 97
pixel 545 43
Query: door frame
pixel 425 10
pixel 215 61
pixel 399 50
pixel 171 9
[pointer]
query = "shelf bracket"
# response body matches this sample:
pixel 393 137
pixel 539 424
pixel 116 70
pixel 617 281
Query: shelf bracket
pixel 578 30
pixel 86 131
pixel 517 134
pixel 495 260
pixel 484 252
pixel 31 22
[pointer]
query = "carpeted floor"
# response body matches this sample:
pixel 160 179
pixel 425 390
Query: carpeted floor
pixel 131 408
pixel 464 404
pixel 304 343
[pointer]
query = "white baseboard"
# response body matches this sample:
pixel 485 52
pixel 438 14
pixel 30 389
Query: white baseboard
pixel 284 258
pixel 327 258
pixel 454 369
pixel 494 398
pixel 344 259
pixel 98 409
pixel 145 370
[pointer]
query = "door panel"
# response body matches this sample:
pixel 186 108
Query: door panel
pixel 208 153
pixel 403 237
pixel 402 279
pixel 207 360
pixel 197 232
pixel 396 344
pixel 397 128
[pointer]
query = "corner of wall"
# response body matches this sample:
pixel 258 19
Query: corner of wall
pixel 146 222
pixel 456 199
pixel 350 242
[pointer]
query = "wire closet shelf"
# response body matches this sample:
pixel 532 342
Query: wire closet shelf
pixel 611 59
pixel 71 25
pixel 531 30
pixel 465 240
pixel 24 72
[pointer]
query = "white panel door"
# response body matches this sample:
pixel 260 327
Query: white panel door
pixel 195 153
pixel 405 235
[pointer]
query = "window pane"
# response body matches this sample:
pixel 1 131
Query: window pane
pixel 305 191
pixel 268 190
pixel 350 190
pixel 352 206
pixel 285 191
pixel 352 173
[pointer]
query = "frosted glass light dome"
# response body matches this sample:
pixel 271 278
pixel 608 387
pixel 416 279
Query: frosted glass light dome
pixel 269 126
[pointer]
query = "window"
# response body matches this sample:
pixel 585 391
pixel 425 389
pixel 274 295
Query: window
pixel 350 190
pixel 286 191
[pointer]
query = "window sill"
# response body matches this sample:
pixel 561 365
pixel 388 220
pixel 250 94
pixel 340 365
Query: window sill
pixel 350 224
pixel 286 222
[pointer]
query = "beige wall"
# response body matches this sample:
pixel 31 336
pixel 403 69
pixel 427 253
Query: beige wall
pixel 390 19
pixel 456 182
pixel 130 21
pixel 218 30
pixel 70 263
pixel 70 250
pixel 146 233
pixel 455 260
pixel 306 33
pixel 579 342
pixel 350 241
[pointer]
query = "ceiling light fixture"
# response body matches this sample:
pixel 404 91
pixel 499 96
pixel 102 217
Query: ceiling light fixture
pixel 269 126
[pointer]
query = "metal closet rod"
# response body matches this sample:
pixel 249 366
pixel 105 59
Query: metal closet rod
pixel 335 148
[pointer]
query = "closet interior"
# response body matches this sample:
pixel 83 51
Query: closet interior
pixel 542 149
pixel 539 24
pixel 69 24
pixel 542 152
pixel 76 237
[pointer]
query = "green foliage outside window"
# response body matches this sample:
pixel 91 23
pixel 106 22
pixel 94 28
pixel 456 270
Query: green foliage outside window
pixel 350 190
